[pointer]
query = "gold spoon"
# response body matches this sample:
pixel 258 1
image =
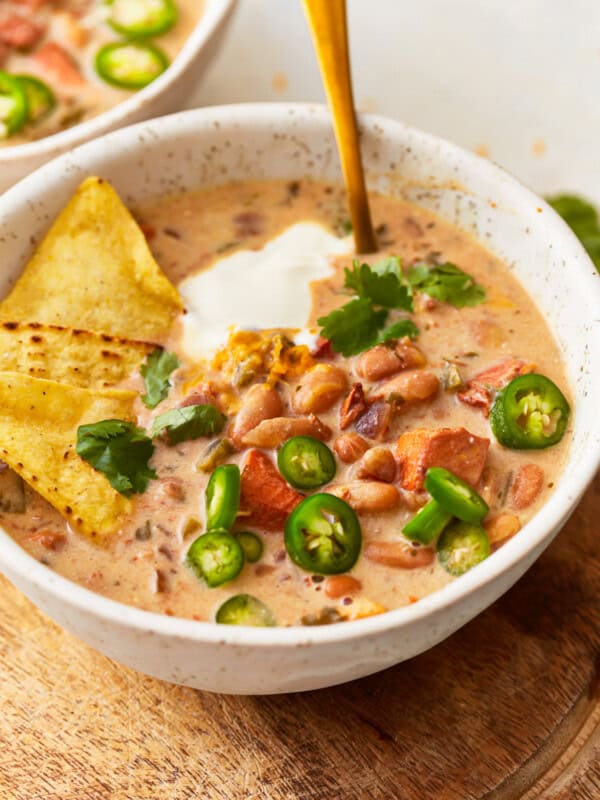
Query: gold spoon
pixel 327 19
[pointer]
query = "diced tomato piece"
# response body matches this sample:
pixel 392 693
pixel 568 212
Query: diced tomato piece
pixel 18 32
pixel 265 494
pixel 480 390
pixel 58 64
pixel 353 406
pixel 456 449
pixel 322 348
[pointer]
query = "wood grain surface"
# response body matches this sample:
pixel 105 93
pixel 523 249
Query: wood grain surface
pixel 507 708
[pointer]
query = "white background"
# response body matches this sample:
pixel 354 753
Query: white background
pixel 518 78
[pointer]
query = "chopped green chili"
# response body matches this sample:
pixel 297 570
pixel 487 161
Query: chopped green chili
pixel 40 97
pixel 455 496
pixel 130 65
pixel 306 463
pixel 223 497
pixel 530 413
pixel 245 609
pixel 252 545
pixel 323 535
pixel 216 557
pixel 461 546
pixel 140 18
pixel 14 108
pixel 428 523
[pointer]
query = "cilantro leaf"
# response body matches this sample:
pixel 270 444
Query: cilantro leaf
pixel 400 329
pixel 382 283
pixel 353 327
pixel 448 283
pixel 155 372
pixel 120 450
pixel 582 218
pixel 189 422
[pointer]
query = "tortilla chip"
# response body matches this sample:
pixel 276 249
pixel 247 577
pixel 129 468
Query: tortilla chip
pixel 38 435
pixel 94 271
pixel 68 355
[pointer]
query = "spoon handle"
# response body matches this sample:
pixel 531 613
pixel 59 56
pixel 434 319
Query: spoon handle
pixel 327 19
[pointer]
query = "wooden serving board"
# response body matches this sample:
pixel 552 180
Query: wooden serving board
pixel 509 707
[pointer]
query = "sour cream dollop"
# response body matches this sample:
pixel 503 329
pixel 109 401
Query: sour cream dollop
pixel 254 289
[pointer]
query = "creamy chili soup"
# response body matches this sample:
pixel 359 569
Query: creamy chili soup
pixel 65 61
pixel 370 429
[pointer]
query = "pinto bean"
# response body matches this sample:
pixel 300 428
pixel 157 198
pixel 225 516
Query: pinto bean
pixel 383 360
pixel 349 447
pixel 378 362
pixel 404 555
pixel 260 403
pixel 273 432
pixel 377 463
pixel 527 485
pixel 319 389
pixel 367 496
pixel 501 528
pixel 339 585
pixel 412 386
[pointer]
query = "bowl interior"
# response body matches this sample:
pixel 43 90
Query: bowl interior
pixel 217 145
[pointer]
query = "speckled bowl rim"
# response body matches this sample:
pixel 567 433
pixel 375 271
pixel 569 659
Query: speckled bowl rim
pixel 110 119
pixel 551 517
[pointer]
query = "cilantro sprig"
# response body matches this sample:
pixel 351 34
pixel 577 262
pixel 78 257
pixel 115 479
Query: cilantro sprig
pixel 582 218
pixel 190 422
pixel 120 450
pixel 448 283
pixel 360 324
pixel 383 283
pixel 156 373
pixel 353 327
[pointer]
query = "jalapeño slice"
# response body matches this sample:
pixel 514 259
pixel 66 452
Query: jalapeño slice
pixel 245 609
pixel 454 495
pixel 428 523
pixel 216 557
pixel 223 497
pixel 40 97
pixel 306 463
pixel 130 65
pixel 13 105
pixel 323 535
pixel 461 546
pixel 138 18
pixel 530 413
pixel 252 545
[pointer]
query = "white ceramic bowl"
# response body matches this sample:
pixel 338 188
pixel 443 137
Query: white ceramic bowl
pixel 167 93
pixel 215 145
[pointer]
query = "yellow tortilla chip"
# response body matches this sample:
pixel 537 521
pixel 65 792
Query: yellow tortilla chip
pixel 38 435
pixel 94 271
pixel 69 355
